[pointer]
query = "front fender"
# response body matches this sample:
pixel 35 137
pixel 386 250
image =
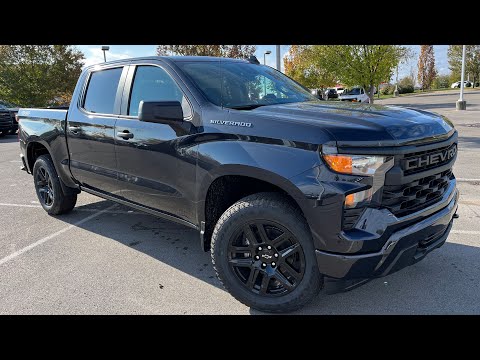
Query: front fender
pixel 274 164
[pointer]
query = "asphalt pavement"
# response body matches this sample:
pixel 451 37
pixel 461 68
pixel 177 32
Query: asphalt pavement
pixel 105 258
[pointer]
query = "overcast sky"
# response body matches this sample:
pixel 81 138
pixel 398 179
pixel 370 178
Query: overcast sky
pixel 94 55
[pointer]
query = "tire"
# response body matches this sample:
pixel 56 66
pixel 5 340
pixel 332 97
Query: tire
pixel 49 189
pixel 278 217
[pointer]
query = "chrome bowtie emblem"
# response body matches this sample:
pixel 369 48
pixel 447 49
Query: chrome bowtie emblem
pixel 266 256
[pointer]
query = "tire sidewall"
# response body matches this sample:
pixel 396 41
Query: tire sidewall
pixel 292 222
pixel 46 162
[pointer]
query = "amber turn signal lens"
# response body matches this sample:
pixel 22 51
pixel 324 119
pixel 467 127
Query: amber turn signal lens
pixel 350 200
pixel 342 164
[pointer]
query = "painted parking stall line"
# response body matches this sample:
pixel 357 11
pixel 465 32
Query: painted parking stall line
pixel 51 236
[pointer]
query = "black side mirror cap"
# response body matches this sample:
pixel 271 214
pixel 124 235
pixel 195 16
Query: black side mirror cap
pixel 160 111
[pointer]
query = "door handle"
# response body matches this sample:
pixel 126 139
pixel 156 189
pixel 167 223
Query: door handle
pixel 125 134
pixel 74 129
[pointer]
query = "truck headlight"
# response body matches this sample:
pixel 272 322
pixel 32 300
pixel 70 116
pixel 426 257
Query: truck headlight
pixel 365 165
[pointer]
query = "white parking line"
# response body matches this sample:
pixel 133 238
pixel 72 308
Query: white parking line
pixel 51 236
pixel 20 205
pixel 467 232
pixel 467 180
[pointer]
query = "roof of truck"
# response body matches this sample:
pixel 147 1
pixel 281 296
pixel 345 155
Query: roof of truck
pixel 173 59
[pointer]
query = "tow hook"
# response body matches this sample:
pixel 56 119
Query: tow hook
pixel 456 216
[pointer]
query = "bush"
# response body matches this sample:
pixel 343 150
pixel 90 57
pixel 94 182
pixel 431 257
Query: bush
pixel 441 82
pixel 387 90
pixel 406 85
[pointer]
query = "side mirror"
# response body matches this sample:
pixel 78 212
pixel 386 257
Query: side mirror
pixel 160 111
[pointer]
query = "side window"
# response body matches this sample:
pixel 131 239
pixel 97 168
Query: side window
pixel 102 90
pixel 152 83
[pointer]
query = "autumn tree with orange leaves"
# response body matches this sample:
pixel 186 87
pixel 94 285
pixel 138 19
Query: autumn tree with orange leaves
pixel 426 67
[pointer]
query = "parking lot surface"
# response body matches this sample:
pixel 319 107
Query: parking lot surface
pixel 105 258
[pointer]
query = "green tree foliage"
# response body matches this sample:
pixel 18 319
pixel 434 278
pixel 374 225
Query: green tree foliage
pixel 302 66
pixel 441 82
pixel 232 51
pixel 472 62
pixel 426 66
pixel 406 85
pixel 39 75
pixel 364 65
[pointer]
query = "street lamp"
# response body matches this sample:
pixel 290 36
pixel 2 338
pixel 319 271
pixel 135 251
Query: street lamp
pixel 105 48
pixel 462 104
pixel 268 52
pixel 395 93
pixel 277 53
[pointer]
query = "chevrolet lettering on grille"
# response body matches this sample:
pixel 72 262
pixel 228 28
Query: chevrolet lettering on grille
pixel 429 159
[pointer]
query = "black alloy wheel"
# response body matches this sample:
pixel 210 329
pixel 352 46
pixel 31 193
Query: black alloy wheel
pixel 266 258
pixel 44 186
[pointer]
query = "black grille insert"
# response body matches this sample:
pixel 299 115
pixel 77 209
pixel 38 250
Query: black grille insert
pixel 423 155
pixel 350 217
pixel 408 198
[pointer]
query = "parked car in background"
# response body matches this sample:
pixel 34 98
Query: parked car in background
pixel 456 84
pixel 356 94
pixel 8 124
pixel 331 93
pixel 339 90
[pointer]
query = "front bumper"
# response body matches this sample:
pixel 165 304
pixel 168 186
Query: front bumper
pixel 403 247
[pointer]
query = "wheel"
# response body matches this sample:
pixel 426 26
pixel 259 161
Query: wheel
pixel 2 133
pixel 12 132
pixel 49 189
pixel 262 252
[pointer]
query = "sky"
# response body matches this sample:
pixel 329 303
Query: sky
pixel 94 55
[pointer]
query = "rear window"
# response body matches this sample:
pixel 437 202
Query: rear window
pixel 102 90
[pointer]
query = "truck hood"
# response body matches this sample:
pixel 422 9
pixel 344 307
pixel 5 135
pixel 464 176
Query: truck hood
pixel 375 125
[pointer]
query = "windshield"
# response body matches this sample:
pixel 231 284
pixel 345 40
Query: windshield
pixel 354 91
pixel 238 85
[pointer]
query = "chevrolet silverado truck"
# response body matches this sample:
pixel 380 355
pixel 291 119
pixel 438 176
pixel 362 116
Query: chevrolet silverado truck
pixel 290 194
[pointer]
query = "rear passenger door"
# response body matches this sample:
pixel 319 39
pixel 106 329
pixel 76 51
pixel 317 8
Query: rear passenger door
pixel 91 129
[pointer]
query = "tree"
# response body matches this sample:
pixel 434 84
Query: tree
pixel 301 65
pixel 363 65
pixel 472 61
pixel 39 75
pixel 233 51
pixel 426 66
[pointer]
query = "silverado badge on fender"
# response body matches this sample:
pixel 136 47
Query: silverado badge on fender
pixel 430 159
pixel 231 123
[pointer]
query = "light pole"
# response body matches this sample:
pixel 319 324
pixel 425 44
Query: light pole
pixel 268 52
pixel 277 53
pixel 395 93
pixel 461 104
pixel 105 48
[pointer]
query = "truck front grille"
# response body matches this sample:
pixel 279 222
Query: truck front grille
pixel 5 120
pixel 407 198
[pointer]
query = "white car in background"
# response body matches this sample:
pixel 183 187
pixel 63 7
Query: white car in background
pixel 356 94
pixel 456 84
pixel 339 90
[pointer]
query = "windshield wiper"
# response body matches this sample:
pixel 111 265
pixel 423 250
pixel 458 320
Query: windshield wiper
pixel 247 107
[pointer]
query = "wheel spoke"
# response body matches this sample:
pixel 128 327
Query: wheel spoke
pixel 279 239
pixel 247 262
pixel 250 236
pixel 261 232
pixel 252 278
pixel 286 268
pixel 239 249
pixel 290 250
pixel 264 284
pixel 283 280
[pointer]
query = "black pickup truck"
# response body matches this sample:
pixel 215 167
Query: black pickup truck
pixel 8 124
pixel 289 193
